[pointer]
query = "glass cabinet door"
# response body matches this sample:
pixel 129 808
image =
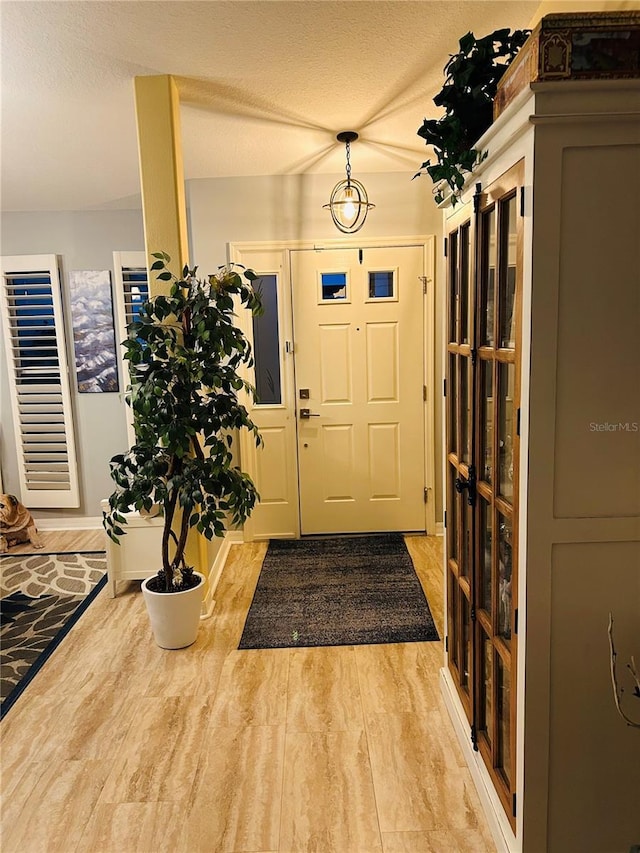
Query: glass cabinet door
pixel 483 393
pixel 460 399
pixel 498 283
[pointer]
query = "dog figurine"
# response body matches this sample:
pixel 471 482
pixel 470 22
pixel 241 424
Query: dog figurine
pixel 16 524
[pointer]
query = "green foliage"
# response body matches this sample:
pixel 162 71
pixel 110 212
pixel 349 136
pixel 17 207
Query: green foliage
pixel 472 77
pixel 185 354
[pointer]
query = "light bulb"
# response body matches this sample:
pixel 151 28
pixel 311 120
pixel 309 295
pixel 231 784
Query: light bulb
pixel 348 208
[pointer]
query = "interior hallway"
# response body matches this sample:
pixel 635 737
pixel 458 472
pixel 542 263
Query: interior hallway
pixel 120 746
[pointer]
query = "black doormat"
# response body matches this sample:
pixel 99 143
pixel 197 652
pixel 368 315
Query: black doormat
pixel 43 596
pixel 338 591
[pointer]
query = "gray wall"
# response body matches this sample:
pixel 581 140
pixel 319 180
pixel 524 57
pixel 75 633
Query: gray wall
pixel 82 240
pixel 289 207
pixel 221 210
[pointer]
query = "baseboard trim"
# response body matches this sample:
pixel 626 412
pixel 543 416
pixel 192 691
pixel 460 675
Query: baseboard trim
pixel 231 537
pixel 266 537
pixel 235 537
pixel 499 827
pixel 439 528
pixel 81 522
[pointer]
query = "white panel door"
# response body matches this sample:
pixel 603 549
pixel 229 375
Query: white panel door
pixel 359 367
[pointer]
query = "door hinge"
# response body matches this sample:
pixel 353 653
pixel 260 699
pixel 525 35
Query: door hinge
pixel 521 201
pixel 473 480
pixel 474 355
pixel 445 519
pixel 446 643
pixel 426 494
pixel 288 347
pixel 474 737
pixel 473 614
pixel 476 197
pixel 444 387
pixel 513 805
pixel 360 256
pixel 424 393
pixel 515 621
pixel 446 246
pixel 518 421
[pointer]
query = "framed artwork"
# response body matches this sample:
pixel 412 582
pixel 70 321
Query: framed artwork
pixel 93 333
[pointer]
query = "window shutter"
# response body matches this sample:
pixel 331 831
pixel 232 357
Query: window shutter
pixel 132 289
pixel 37 368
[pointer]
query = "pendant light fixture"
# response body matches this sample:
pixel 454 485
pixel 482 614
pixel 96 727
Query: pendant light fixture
pixel 349 202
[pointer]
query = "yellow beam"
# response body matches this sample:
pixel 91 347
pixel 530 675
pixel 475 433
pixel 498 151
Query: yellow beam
pixel 161 170
pixel 163 203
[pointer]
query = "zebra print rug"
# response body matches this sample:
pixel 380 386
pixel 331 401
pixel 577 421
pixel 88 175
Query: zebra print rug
pixel 43 596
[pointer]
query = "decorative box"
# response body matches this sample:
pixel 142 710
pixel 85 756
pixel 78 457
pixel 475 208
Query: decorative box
pixel 587 46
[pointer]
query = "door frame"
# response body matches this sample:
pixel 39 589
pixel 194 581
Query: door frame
pixel 240 252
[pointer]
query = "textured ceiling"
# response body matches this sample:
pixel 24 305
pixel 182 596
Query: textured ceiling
pixel 265 86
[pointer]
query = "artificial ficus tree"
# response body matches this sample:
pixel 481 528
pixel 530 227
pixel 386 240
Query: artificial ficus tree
pixel 185 355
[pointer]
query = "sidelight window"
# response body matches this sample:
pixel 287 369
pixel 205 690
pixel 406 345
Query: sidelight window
pixel 266 345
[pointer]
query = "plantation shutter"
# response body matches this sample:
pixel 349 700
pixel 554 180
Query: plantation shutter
pixel 132 289
pixel 37 369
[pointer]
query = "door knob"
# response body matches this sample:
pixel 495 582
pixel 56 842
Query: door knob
pixel 307 413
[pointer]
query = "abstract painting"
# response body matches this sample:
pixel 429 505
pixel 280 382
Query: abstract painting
pixel 93 333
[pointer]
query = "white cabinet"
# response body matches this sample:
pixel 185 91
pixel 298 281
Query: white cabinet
pixel 544 417
pixel 138 555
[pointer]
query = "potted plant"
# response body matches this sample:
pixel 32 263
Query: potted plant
pixel 472 77
pixel 185 353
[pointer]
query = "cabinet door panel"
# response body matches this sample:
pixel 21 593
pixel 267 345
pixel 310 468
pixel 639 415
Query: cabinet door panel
pixel 505 578
pixel 483 387
pixel 486 419
pixel 465 409
pixel 488 268
pixel 486 551
pixel 465 644
pixel 485 687
pixel 503 731
pixel 506 425
pixel 465 283
pixel 452 405
pixel 459 442
pixel 508 272
pixel 453 514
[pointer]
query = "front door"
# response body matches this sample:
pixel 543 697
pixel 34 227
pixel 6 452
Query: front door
pixel 344 372
pixel 358 320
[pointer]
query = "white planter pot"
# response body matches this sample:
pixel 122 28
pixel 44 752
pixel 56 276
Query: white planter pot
pixel 175 616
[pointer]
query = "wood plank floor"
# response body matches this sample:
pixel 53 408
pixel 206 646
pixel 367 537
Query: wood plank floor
pixel 120 746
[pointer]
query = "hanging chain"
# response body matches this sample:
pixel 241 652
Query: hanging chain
pixel 348 145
